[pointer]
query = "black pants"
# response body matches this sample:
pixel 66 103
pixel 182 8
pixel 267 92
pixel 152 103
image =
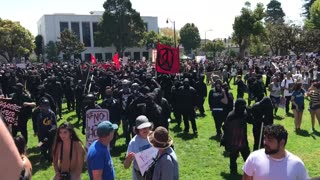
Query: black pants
pixel 70 103
pixel 59 107
pixel 200 105
pixel 127 129
pixel 240 95
pixel 219 118
pixel 288 99
pixel 189 116
pixel 22 127
pixel 78 109
pixel 46 148
pixel 177 116
pixel 234 154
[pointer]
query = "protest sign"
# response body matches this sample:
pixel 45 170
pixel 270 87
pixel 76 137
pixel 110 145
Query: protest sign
pixel 21 65
pixel 93 118
pixel 9 111
pixel 145 158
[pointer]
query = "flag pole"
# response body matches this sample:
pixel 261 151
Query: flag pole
pixel 84 90
pixel 260 138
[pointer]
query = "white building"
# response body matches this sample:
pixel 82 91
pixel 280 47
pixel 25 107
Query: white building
pixel 84 26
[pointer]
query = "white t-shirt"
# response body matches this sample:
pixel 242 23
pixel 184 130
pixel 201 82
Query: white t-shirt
pixel 137 144
pixel 286 83
pixel 262 167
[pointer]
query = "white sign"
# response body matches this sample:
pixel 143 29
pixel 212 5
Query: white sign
pixel 124 61
pixel 154 55
pixel 93 118
pixel 21 65
pixel 145 158
pixel 201 59
pixel 143 59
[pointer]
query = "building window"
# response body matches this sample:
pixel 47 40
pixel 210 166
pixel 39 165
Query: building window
pixel 87 57
pixel 146 25
pixel 86 34
pixel 108 56
pixel 146 55
pixel 64 26
pixel 136 56
pixel 95 30
pixel 75 28
pixel 127 54
pixel 98 56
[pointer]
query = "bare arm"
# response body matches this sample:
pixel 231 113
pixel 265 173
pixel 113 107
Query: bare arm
pixel 97 174
pixel 224 100
pixel 9 154
pixel 246 177
pixel 127 162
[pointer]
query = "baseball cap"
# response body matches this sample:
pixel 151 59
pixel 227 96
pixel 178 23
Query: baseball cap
pixel 105 127
pixel 142 122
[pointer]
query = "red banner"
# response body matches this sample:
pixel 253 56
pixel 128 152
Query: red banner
pixel 93 59
pixel 168 59
pixel 116 61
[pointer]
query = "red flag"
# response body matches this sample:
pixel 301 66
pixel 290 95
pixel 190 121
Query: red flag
pixel 93 59
pixel 168 59
pixel 116 61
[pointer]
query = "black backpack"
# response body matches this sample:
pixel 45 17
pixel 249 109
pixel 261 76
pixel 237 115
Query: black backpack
pixel 149 173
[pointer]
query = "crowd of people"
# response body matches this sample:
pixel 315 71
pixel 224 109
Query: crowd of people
pixel 143 102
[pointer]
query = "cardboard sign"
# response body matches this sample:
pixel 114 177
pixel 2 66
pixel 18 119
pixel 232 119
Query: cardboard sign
pixel 145 158
pixel 9 111
pixel 93 118
pixel 154 55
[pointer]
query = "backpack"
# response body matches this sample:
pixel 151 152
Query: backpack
pixel 149 173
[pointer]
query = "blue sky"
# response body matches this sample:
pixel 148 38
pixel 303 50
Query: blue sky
pixel 217 15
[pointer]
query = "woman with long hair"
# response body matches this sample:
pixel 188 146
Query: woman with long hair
pixel 21 146
pixel 314 106
pixel 297 100
pixel 275 93
pixel 68 153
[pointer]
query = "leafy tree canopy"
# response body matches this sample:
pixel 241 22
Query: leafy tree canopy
pixel 190 37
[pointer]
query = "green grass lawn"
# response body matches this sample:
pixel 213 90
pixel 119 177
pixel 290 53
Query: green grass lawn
pixel 199 157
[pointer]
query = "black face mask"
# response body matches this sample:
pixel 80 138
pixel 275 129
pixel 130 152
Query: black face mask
pixel 186 86
pixel 108 96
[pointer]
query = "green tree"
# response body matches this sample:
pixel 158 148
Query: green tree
pixel 52 52
pixel 306 6
pixel 314 21
pixel 169 32
pixel 276 37
pixel 69 44
pixel 190 37
pixel 166 40
pixel 214 47
pixel 121 25
pixel 274 13
pixel 15 40
pixel 39 48
pixel 257 47
pixel 149 40
pixel 247 24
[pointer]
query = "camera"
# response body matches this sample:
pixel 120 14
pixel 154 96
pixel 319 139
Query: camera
pixel 65 176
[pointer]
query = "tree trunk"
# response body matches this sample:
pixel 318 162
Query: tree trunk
pixel 242 51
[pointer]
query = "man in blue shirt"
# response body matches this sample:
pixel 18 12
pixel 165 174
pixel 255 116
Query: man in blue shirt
pixel 99 160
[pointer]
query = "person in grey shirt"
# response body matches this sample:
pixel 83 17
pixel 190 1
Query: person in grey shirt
pixel 167 167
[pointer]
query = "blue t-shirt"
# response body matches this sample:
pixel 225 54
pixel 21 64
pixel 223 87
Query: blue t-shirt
pixel 298 97
pixel 99 158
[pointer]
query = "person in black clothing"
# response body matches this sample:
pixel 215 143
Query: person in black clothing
pixel 235 137
pixel 114 108
pixel 165 108
pixel 23 99
pixel 187 99
pixel 258 89
pixel 174 102
pixel 262 112
pixel 79 94
pixel 54 88
pixel 242 87
pixel 217 100
pixel 201 89
pixel 229 106
pixel 89 103
pixel 69 93
pixel 46 126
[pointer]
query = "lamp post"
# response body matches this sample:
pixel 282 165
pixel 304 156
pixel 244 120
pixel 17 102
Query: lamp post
pixel 174 30
pixel 205 36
